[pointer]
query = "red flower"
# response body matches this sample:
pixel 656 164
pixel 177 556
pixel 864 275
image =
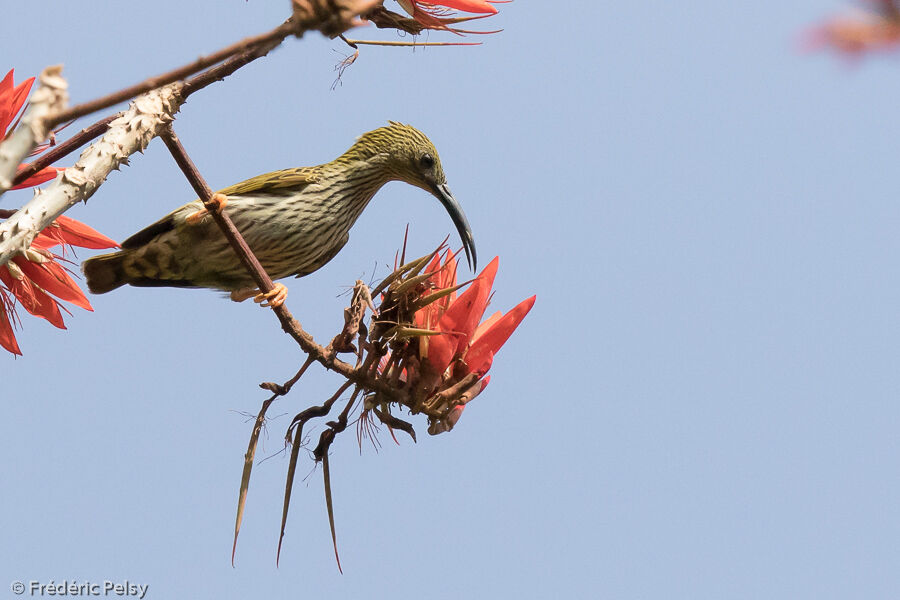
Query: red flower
pixel 438 14
pixel 32 276
pixel 12 99
pixel 463 346
pixel 473 6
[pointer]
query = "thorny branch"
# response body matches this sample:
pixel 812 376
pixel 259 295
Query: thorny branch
pixel 271 39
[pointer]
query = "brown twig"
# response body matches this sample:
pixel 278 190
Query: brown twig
pixel 194 84
pixel 283 389
pixel 219 72
pixel 234 237
pixel 85 108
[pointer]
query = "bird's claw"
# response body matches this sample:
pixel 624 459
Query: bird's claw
pixel 273 298
pixel 218 201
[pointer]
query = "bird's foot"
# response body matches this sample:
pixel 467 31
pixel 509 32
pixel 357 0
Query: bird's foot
pixel 218 201
pixel 273 298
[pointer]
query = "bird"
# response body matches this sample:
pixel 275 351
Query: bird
pixel 295 221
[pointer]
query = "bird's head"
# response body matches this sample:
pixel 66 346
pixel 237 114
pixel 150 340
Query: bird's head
pixel 408 155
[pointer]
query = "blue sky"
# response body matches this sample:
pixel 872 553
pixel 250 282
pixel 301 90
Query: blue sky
pixel 702 404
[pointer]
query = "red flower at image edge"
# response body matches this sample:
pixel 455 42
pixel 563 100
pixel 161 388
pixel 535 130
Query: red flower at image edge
pixel 12 99
pixel 32 276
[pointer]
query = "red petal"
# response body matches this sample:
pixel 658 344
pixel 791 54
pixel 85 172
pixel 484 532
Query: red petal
pixel 486 324
pixel 493 339
pixel 475 6
pixel 7 84
pixel 463 315
pixel 435 262
pixel 425 18
pixel 32 298
pixel 444 277
pixel 422 317
pixel 53 278
pixel 447 276
pixel 6 92
pixel 441 349
pixel 47 307
pixel 7 336
pixel 20 94
pixel 78 234
pixel 12 99
pixel 45 174
pixel 22 290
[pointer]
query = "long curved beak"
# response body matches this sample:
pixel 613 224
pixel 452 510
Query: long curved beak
pixel 444 194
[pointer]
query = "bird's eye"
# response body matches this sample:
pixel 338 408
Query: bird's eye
pixel 427 161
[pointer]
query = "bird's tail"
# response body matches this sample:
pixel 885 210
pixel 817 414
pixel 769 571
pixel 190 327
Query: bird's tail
pixel 106 272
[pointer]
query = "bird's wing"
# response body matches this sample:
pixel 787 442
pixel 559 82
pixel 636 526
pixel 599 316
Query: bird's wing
pixel 286 179
pixel 167 223
pixel 295 179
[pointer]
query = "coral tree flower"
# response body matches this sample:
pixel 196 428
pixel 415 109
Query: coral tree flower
pixel 463 344
pixel 439 14
pixel 31 277
pixel 12 99
pixel 867 31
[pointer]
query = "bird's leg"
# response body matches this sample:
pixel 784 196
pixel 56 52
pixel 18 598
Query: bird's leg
pixel 273 298
pixel 243 294
pixel 218 201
